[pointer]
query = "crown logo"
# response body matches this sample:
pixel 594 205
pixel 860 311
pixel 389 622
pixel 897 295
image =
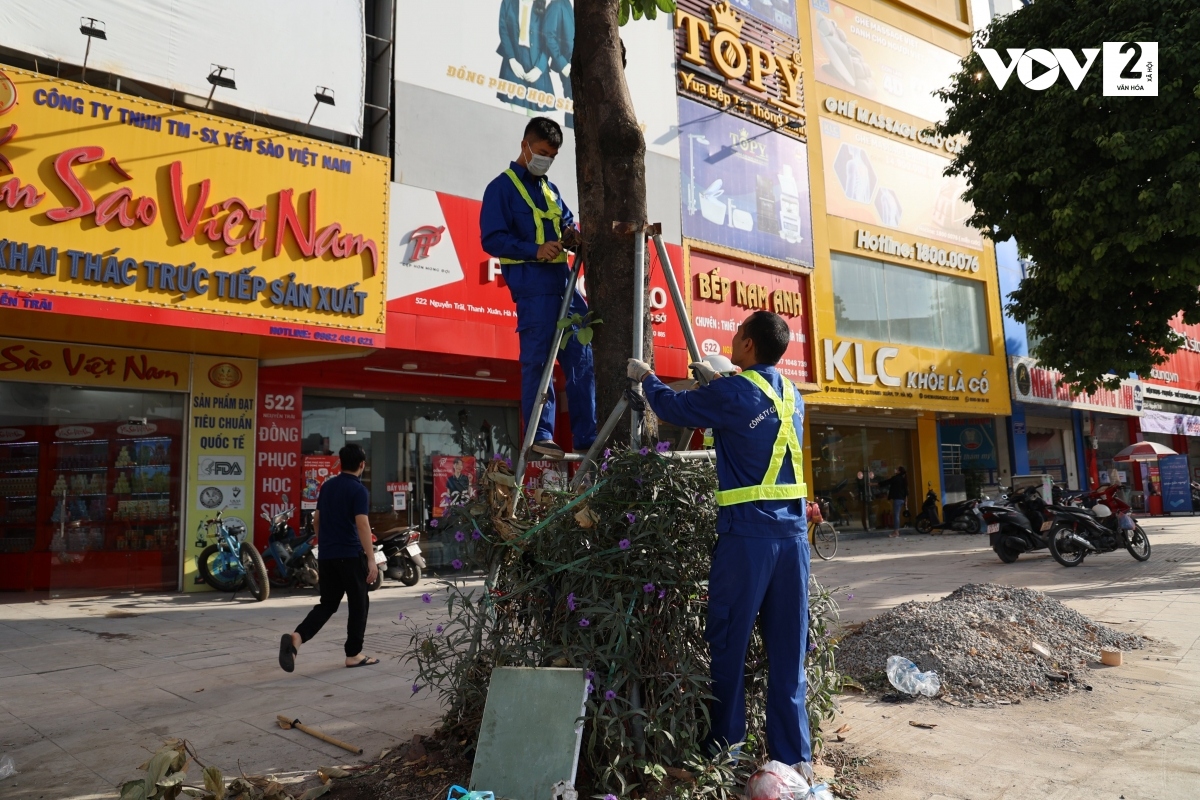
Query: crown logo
pixel 726 19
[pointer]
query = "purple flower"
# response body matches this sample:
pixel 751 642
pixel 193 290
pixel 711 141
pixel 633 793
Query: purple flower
pixel 508 463
pixel 497 457
pixel 638 481
pixel 608 453
pixel 439 628
pixel 624 544
pixel 571 601
pixel 604 467
pixel 433 523
pixel 610 695
pixel 427 598
pixel 644 451
pixel 476 535
pixel 648 588
pixel 457 563
pixel 662 593
pixel 610 797
pixel 583 623
pixel 630 517
pixel 590 688
pixel 662 447
pixel 416 687
pixel 459 536
pixel 591 676
pixel 849 597
pixel 811 645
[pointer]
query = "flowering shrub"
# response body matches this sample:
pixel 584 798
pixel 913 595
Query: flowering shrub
pixel 623 599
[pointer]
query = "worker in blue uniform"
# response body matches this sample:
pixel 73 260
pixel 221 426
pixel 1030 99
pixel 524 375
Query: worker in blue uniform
pixel 523 222
pixel 761 561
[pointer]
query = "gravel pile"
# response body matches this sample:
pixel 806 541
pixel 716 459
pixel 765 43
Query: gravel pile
pixel 980 640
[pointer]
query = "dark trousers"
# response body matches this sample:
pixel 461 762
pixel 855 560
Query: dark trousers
pixel 767 580
pixel 340 576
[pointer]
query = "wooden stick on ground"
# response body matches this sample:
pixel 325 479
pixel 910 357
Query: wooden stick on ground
pixel 285 723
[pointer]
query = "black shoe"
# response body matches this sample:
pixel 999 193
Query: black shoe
pixel 287 653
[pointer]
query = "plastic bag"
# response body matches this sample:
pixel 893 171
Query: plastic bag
pixel 1125 522
pixel 775 780
pixel 904 675
pixel 7 767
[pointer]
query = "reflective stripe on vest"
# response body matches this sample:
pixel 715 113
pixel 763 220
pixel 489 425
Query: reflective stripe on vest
pixel 553 213
pixel 786 439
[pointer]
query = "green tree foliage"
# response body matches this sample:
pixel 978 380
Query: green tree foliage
pixel 644 8
pixel 1102 193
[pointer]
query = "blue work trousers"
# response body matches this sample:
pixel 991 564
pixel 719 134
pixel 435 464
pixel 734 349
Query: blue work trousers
pixel 754 577
pixel 537 321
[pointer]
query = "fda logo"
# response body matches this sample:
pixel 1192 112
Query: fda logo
pixel 1130 68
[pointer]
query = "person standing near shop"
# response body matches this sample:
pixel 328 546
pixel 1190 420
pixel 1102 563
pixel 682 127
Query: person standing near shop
pixel 761 561
pixel 522 223
pixel 897 492
pixel 345 560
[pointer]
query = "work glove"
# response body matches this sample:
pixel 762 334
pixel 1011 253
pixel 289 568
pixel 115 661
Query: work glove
pixel 533 74
pixel 637 370
pixel 517 69
pixel 704 369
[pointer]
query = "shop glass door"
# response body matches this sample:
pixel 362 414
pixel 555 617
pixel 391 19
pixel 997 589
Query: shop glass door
pixel 850 462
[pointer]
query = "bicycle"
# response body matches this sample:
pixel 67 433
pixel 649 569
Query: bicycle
pixel 231 563
pixel 822 536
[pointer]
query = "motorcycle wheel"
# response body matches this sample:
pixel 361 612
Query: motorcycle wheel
pixel 276 580
pixel 411 575
pixel 1137 543
pixel 1006 555
pixel 221 583
pixel 1068 558
pixel 256 572
pixel 924 525
pixel 973 524
pixel 825 540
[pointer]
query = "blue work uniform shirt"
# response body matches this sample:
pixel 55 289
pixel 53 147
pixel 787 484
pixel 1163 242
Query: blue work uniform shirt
pixel 507 230
pixel 745 427
pixel 342 498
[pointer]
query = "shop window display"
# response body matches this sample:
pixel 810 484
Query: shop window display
pixel 848 464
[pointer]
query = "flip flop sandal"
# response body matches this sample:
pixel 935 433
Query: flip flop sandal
pixel 366 662
pixel 287 653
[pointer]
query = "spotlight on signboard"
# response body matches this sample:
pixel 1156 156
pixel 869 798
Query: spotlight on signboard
pixel 92 28
pixel 324 95
pixel 222 77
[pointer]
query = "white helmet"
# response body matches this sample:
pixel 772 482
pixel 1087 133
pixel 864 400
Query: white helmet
pixel 721 364
pixel 1101 510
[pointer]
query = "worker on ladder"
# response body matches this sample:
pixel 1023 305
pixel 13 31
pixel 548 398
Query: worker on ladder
pixel 761 561
pixel 524 222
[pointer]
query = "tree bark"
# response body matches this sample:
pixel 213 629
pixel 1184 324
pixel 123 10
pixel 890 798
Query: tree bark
pixel 611 167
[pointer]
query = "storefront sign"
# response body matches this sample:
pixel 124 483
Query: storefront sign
pixel 731 63
pixel 221 444
pixel 453 482
pixel 779 13
pixel 120 199
pixel 1170 394
pixel 89 365
pixel 1166 422
pixel 879 181
pixel 1032 383
pixel 745 187
pixel 878 61
pixel 976 439
pixel 277 468
pixel 850 109
pixel 903 377
pixel 725 291
pixel 921 253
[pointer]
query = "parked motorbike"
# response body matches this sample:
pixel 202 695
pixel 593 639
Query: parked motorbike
pixel 1019 525
pixel 1099 522
pixel 290 558
pixel 404 559
pixel 230 563
pixel 962 516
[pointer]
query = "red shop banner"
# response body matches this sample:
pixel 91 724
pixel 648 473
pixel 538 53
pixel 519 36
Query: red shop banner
pixel 725 291
pixel 453 482
pixel 277 455
pixel 438 268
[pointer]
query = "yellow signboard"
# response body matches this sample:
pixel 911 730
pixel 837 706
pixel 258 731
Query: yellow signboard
pixel 90 366
pixel 220 468
pixel 109 197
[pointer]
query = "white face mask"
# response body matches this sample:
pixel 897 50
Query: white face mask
pixel 538 165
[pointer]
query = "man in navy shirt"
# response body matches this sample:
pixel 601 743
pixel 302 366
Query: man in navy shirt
pixel 345 560
pixel 522 223
pixel 760 564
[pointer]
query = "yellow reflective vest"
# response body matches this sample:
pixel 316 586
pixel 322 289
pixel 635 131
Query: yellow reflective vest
pixel 787 440
pixel 553 213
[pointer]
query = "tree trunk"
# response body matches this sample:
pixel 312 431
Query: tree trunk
pixel 611 166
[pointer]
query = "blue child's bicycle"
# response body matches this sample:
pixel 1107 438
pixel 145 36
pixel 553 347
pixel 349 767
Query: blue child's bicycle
pixel 230 563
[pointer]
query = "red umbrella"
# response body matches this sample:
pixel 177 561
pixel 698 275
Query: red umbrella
pixel 1144 451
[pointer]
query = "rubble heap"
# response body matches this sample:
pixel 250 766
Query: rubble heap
pixel 986 642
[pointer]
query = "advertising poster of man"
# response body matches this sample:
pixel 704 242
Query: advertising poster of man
pixel 744 186
pixel 516 55
pixel 879 61
pixel 453 482
pixel 780 14
pixel 878 181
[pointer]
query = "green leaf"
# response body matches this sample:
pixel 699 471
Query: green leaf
pixel 134 790
pixel 565 323
pixel 214 782
pixel 173 779
pixel 585 335
pixel 666 5
pixel 623 12
pixel 158 765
